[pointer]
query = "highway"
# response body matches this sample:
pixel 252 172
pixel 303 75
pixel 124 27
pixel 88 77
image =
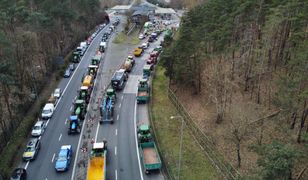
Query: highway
pixel 123 160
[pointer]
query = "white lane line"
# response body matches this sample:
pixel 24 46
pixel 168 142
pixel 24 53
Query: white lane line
pixel 116 174
pixel 47 122
pixel 96 133
pixel 53 157
pixel 71 108
pixel 60 137
pixel 120 105
pixel 136 140
pixel 27 164
pixel 46 179
pixel 115 150
pixel 118 117
pixel 75 97
pixel 65 121
pixel 116 132
pixel 122 97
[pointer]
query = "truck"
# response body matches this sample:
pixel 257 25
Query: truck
pixel 80 109
pixel 102 47
pixel 143 93
pixel 88 81
pixel 74 125
pixel 127 65
pixel 147 70
pixel 97 162
pixel 148 151
pixel 138 51
pixel 81 49
pixel 107 106
pixel 131 59
pixel 118 79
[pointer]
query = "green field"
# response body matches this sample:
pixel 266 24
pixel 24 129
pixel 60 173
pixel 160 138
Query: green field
pixel 194 163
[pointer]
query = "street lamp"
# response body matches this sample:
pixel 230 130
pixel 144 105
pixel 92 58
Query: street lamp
pixel 181 143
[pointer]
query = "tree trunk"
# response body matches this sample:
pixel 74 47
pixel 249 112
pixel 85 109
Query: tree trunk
pixel 303 119
pixel 238 150
pixel 294 117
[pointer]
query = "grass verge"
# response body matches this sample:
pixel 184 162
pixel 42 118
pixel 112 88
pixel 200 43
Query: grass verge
pixel 194 163
pixel 120 38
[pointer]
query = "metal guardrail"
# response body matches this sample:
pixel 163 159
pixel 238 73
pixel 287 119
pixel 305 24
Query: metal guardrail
pixel 206 144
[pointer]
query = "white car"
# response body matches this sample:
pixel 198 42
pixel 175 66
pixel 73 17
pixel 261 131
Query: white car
pixel 141 36
pixel 38 129
pixel 57 93
pixel 48 111
pixel 145 45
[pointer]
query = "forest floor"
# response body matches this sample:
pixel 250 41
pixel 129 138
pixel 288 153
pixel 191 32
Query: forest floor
pixel 245 111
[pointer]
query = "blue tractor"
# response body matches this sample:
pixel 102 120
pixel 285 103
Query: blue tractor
pixel 74 125
pixel 107 106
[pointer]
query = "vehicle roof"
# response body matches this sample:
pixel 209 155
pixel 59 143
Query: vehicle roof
pixel 48 106
pixel 147 66
pixel 92 66
pixel 38 123
pixel 102 44
pixel 73 118
pixel 84 87
pixel 58 89
pixel 98 145
pixel 144 127
pixel 66 146
pixel 79 101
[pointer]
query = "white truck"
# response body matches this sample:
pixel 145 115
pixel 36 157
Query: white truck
pixel 82 48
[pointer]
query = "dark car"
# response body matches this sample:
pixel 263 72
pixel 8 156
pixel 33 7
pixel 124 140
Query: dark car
pixel 19 174
pixel 67 73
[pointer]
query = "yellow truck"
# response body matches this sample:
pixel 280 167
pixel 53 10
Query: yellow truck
pixel 87 81
pixel 97 162
pixel 138 51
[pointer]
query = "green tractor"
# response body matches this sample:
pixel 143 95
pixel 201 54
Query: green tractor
pixel 96 59
pixel 144 133
pixel 112 94
pixel 147 71
pixel 92 70
pixel 143 94
pixel 74 125
pixel 84 94
pixel 76 57
pixel 80 109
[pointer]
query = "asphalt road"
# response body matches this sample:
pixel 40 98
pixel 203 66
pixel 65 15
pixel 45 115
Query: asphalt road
pixel 56 133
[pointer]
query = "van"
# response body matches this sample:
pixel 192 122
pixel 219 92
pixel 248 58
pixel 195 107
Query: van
pixel 48 111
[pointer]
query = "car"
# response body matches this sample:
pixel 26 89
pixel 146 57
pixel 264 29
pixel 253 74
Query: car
pixel 63 160
pixel 19 174
pixel 32 149
pixel 57 93
pixel 67 73
pixel 48 111
pixel 38 129
pixel 145 45
pixel 141 36
pixel 72 66
pixel 151 39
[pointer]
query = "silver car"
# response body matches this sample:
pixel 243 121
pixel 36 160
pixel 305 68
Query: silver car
pixel 38 129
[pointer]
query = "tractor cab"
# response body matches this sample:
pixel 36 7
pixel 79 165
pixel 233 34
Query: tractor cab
pixel 143 85
pixel 147 71
pixel 131 59
pixel 76 57
pixel 111 93
pixel 80 109
pixel 74 125
pixel 96 59
pixel 84 93
pixel 144 133
pixel 92 70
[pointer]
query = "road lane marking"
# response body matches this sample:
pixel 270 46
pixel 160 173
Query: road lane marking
pixel 115 150
pixel 27 164
pixel 46 179
pixel 47 122
pixel 136 140
pixel 71 108
pixel 60 137
pixel 116 132
pixel 122 97
pixel 120 105
pixel 65 121
pixel 96 133
pixel 53 157
pixel 116 174
pixel 118 117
